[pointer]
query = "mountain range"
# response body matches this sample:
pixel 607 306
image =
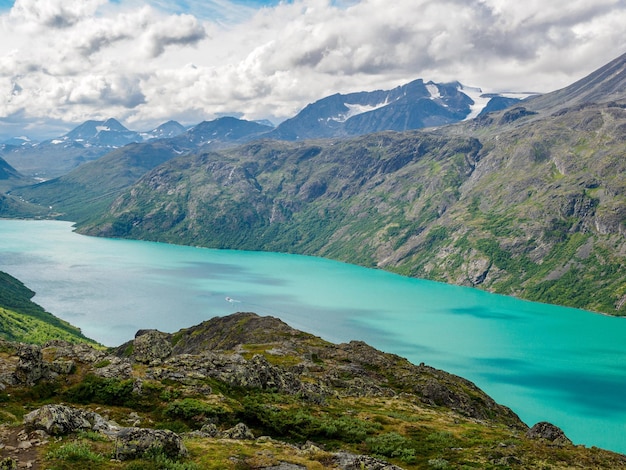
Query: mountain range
pixel 528 200
pixel 412 106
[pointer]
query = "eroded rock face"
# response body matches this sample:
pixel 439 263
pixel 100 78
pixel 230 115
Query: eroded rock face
pixel 549 432
pixel 61 420
pixel 132 443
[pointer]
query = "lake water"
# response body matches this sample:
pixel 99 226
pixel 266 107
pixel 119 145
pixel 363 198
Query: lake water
pixel 547 363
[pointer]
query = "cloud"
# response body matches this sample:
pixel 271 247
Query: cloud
pixel 144 62
pixel 181 30
pixel 53 13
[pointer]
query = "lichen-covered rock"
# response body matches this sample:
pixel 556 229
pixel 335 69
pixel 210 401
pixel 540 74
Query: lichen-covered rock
pixel 31 366
pixel 210 430
pixel 259 373
pixel 548 432
pixel 240 431
pixel 58 349
pixel 347 461
pixel 61 419
pixel 131 443
pixel 150 346
pixel 115 368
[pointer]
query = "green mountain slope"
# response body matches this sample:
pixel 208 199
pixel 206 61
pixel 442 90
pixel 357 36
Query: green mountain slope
pixel 23 320
pixel 92 187
pixel 519 204
pixel 14 207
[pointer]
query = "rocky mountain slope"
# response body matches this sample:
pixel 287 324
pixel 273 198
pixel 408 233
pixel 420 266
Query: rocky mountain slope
pixel 10 177
pixel 526 201
pixel 250 392
pixel 514 202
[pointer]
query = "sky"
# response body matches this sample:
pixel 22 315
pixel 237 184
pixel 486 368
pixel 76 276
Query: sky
pixel 63 62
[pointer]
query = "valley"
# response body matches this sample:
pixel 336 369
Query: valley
pixel 527 201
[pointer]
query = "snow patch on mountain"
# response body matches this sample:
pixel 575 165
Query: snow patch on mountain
pixel 518 95
pixel 478 97
pixel 433 90
pixel 356 109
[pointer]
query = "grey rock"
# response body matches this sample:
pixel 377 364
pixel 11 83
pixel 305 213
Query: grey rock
pixel 240 431
pixel 30 367
pixel 210 430
pixel 62 367
pixel 348 461
pixel 61 419
pixel 548 432
pixel 151 346
pixel 117 368
pixel 132 443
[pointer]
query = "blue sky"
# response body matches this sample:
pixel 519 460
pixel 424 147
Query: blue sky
pixel 145 62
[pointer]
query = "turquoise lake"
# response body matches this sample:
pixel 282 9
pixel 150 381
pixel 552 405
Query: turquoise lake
pixel 547 363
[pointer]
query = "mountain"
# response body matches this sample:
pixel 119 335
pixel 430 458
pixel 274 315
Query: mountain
pixel 411 106
pixel 166 130
pixel 90 188
pixel 220 132
pixel 519 202
pixel 23 320
pixel 245 391
pixel 109 133
pixel 10 177
pixel 605 85
pixel 93 139
pixel 87 142
pixel 18 141
pixel 55 157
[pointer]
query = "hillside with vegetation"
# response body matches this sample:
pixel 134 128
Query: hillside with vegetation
pixel 249 392
pixel 515 203
pixel 23 320
pixel 529 201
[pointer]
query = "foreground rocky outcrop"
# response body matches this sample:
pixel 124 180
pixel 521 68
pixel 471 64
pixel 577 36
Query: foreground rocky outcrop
pixel 284 399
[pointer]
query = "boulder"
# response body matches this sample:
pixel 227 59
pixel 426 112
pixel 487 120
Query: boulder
pixel 348 461
pixel 131 443
pixel 210 430
pixel 150 346
pixel 548 432
pixel 240 431
pixel 115 368
pixel 61 419
pixel 30 367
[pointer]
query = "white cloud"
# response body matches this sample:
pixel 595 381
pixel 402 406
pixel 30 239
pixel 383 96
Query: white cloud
pixel 145 62
pixel 53 13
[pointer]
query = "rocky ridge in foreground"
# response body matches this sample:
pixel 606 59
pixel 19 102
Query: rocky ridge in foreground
pixel 250 392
